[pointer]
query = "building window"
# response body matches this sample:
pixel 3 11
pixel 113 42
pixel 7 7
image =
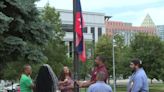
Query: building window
pixel 99 32
pixel 67 27
pixel 70 49
pixel 92 30
pixel 85 30
pixel 93 33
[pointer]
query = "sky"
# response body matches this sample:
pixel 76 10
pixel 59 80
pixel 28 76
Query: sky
pixel 132 11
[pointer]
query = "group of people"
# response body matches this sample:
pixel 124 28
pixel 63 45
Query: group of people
pixel 98 79
pixel 98 82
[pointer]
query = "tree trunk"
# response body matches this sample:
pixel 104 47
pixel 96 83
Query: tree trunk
pixel 108 80
pixel 151 81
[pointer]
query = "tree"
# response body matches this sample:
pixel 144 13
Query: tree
pixel 162 63
pixel 23 35
pixel 121 57
pixel 121 51
pixel 104 48
pixel 56 49
pixel 148 48
pixel 85 68
pixel 13 70
pixel 122 64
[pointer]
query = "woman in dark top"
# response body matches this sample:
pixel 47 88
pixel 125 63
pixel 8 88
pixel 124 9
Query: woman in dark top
pixel 65 80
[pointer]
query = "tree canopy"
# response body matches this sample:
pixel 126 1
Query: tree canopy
pixel 23 35
pixel 149 48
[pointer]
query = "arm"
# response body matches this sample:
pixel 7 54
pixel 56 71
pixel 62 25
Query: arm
pixel 84 84
pixel 137 84
pixel 69 86
pixel 29 83
pixel 32 86
pixel 61 82
pixel 88 83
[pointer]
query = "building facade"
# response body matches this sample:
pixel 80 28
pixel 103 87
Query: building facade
pixel 126 30
pixel 148 22
pixel 160 31
pixel 93 29
pixel 94 24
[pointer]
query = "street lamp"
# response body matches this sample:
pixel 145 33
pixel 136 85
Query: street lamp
pixel 114 72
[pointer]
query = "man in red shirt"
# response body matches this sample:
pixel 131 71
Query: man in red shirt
pixel 100 67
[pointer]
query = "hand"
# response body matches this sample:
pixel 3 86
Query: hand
pixel 79 83
pixel 66 80
pixel 61 87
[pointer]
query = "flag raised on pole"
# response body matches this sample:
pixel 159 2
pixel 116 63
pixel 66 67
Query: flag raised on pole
pixel 79 24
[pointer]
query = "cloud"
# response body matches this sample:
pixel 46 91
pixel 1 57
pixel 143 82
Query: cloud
pixel 132 11
pixel 98 4
pixel 157 14
pixel 136 17
pixel 95 4
pixel 59 4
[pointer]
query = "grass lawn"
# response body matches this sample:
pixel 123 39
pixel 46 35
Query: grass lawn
pixel 153 88
pixel 157 88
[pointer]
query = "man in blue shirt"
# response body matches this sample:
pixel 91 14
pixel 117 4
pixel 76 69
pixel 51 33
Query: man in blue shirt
pixel 100 85
pixel 138 81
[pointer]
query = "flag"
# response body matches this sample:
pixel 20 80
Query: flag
pixel 79 24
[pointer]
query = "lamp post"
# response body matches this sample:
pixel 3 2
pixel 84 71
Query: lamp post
pixel 114 68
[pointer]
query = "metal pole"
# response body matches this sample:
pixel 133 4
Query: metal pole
pixel 114 74
pixel 93 50
pixel 75 61
pixel 12 86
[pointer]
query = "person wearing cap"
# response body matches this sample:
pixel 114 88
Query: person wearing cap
pixel 100 67
pixel 138 81
pixel 100 85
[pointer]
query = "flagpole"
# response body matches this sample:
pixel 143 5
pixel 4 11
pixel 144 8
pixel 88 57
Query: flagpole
pixel 75 60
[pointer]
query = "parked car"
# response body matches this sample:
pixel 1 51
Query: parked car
pixel 13 88
pixel 2 84
pixel 1 88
